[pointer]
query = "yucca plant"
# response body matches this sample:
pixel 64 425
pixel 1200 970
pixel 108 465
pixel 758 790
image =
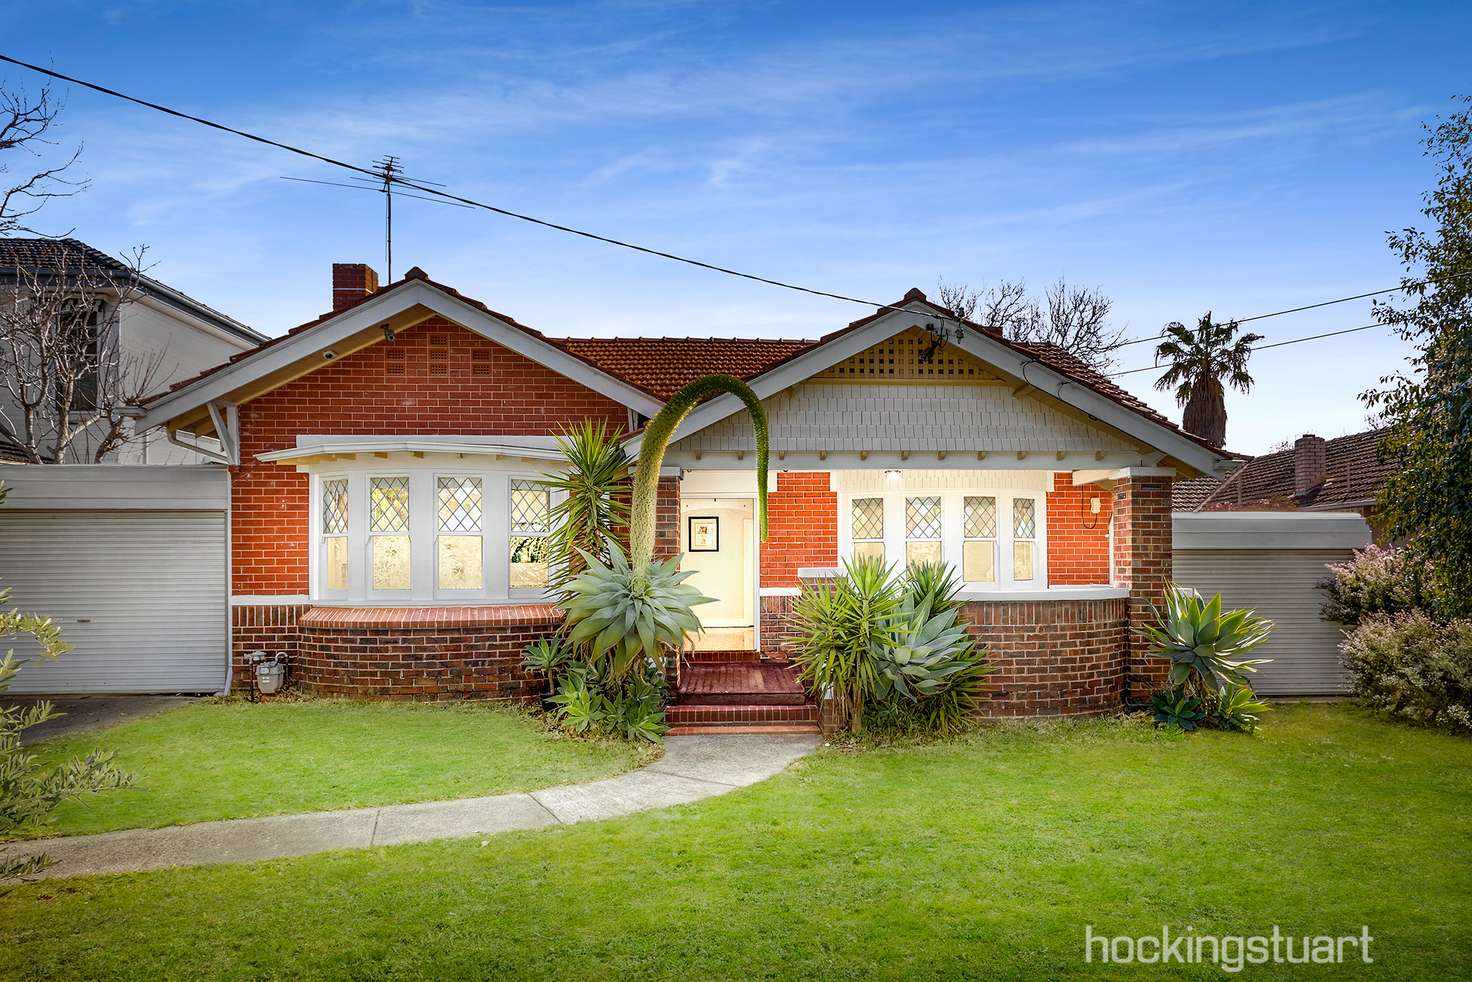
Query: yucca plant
pixel 936 582
pixel 592 506
pixel 1205 646
pixel 629 609
pixel 839 632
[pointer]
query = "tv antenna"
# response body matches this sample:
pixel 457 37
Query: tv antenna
pixel 387 173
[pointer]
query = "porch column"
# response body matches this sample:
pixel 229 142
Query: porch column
pixel 1142 565
pixel 667 519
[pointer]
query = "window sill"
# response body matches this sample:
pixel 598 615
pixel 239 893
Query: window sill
pixel 1049 593
pixel 421 618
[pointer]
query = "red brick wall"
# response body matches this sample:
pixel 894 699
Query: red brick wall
pixel 802 527
pixel 268 628
pixel 1078 540
pixel 1052 658
pixel 1142 564
pixel 437 378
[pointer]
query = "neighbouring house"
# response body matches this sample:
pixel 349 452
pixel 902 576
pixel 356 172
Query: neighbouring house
pixel 154 325
pixel 1344 474
pixel 387 517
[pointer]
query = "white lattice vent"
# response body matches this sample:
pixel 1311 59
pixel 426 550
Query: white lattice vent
pixel 901 358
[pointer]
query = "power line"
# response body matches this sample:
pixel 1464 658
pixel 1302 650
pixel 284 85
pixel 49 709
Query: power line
pixel 469 202
pixel 1314 306
pixel 1262 347
pixel 431 189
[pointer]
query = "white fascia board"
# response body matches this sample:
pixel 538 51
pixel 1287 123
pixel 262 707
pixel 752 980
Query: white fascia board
pixel 1100 407
pixel 803 367
pixel 372 446
pixel 373 312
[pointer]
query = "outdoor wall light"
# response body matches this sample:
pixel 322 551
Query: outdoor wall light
pixel 892 474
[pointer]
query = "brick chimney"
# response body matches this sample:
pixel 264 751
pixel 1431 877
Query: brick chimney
pixel 1308 463
pixel 352 282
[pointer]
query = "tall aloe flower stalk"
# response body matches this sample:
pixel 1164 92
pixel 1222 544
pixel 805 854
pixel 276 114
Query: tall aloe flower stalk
pixel 629 609
pixel 657 436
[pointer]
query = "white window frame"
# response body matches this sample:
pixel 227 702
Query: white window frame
pixel 994 539
pixel 320 535
pixel 423 532
pixel 552 499
pixel 952 504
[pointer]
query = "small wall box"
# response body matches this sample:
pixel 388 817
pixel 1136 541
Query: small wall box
pixel 703 533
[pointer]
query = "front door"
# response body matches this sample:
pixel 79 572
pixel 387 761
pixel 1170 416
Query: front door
pixel 717 536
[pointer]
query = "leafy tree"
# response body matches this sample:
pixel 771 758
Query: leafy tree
pixel 1200 361
pixel 1428 409
pixel 29 792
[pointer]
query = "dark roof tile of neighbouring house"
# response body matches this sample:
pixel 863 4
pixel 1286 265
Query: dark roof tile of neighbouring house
pixel 1354 472
pixel 43 254
pixel 1189 494
pixel 662 366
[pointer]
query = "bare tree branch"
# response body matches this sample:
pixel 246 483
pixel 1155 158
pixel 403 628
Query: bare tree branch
pixel 25 124
pixel 1073 318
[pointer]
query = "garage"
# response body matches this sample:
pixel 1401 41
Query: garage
pixel 131 562
pixel 1273 562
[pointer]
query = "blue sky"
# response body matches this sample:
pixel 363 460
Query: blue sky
pixel 1232 157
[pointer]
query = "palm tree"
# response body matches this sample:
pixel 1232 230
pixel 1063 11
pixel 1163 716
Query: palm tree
pixel 1200 361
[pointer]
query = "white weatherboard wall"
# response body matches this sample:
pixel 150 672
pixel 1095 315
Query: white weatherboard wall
pixel 131 563
pixel 1273 562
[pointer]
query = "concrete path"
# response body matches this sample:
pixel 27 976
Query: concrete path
pixel 693 767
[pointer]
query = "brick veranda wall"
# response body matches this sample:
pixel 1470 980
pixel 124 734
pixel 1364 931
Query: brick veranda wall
pixel 1142 564
pixel 1078 540
pixel 1052 658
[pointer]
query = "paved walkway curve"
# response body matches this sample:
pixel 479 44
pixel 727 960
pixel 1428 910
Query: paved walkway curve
pixel 693 767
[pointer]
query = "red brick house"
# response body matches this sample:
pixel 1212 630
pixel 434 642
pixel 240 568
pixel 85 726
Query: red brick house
pixel 387 517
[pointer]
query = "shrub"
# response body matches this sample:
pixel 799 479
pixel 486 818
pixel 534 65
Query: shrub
pixel 896 644
pixel 633 709
pixel 1235 708
pixel 1411 666
pixel 1376 582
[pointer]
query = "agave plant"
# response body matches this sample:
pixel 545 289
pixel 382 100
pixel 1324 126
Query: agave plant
pixel 1237 708
pixel 1173 707
pixel 1205 646
pixel 548 657
pixel 936 582
pixel 630 608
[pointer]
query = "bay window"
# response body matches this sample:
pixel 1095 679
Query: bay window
pixel 994 539
pixel 417 533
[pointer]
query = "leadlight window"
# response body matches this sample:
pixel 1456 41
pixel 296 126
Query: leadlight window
pixel 867 522
pixel 1024 538
pixel 979 539
pixel 388 533
pixel 335 535
pixel 459 539
pixel 531 524
pixel 922 530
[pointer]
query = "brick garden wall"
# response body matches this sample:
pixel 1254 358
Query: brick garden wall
pixel 437 378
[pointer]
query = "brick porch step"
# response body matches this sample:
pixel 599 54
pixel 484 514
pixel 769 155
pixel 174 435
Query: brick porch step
pixel 707 657
pixel 738 718
pixel 740 684
pixel 728 729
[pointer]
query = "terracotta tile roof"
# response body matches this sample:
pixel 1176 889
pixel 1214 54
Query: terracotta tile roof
pixel 1353 468
pixel 44 254
pixel 662 366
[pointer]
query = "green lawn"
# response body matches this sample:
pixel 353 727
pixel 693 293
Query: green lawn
pixel 985 857
pixel 234 759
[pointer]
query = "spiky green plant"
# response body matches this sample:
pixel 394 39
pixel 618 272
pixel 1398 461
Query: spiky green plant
pixel 592 506
pixel 629 609
pixel 936 582
pixel 1205 646
pixel 840 631
pixel 1236 708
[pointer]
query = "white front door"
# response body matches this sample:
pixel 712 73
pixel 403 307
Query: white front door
pixel 717 537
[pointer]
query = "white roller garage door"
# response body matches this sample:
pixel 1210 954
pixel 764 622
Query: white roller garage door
pixel 1256 561
pixel 138 587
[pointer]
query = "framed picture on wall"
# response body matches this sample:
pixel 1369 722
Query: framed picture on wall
pixel 704 533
